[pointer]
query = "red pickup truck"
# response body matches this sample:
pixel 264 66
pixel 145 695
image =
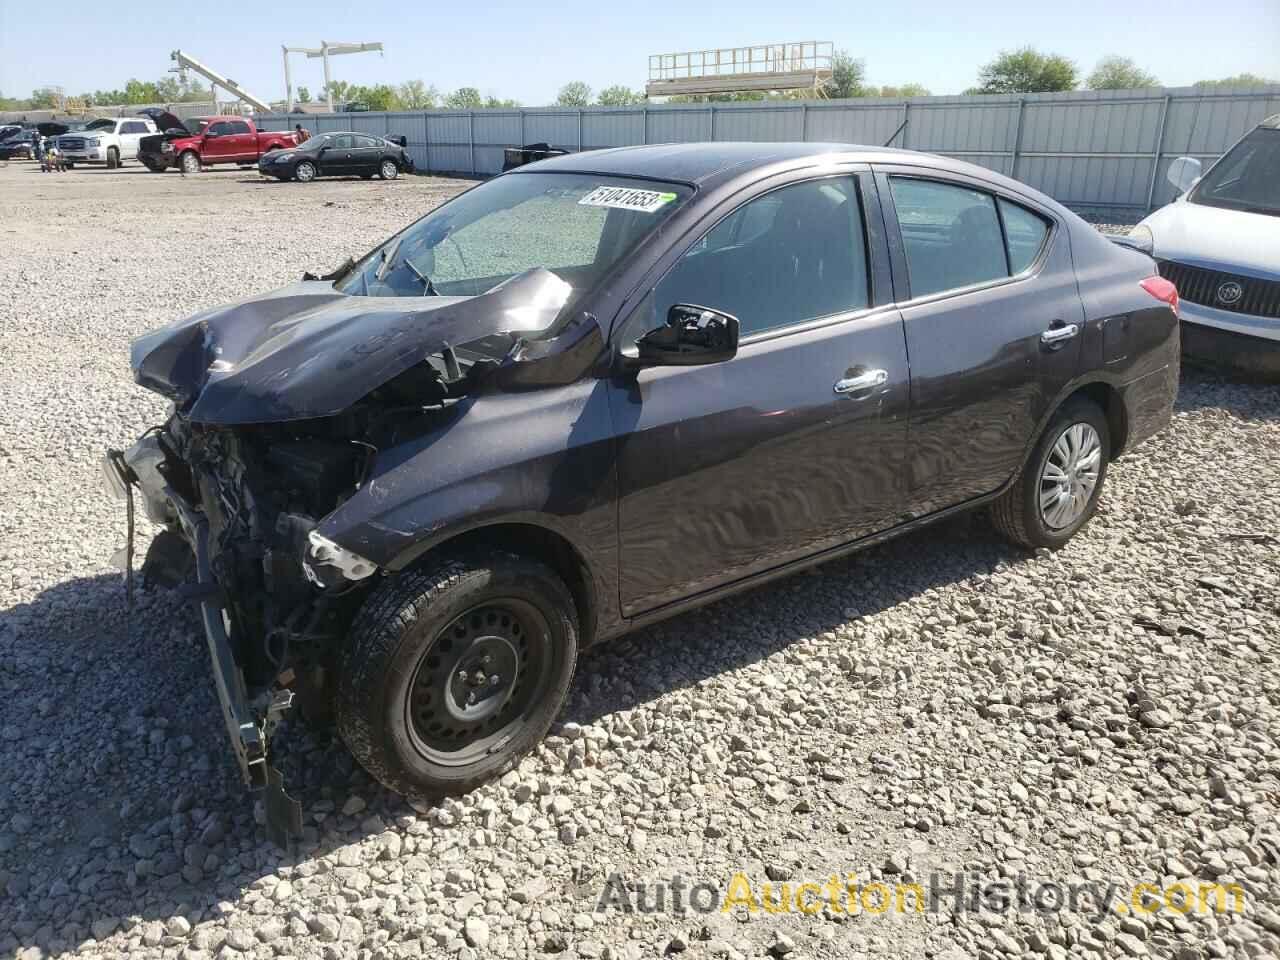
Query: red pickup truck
pixel 205 141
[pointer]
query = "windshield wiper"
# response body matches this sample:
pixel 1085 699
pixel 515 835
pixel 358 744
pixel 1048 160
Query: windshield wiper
pixel 428 289
pixel 388 255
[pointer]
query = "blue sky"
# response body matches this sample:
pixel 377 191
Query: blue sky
pixel 528 50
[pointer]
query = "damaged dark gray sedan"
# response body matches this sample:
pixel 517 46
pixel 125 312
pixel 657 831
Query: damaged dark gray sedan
pixel 605 388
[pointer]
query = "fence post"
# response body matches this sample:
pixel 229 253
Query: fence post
pixel 711 117
pixel 645 136
pixel 579 129
pixel 804 121
pixel 522 140
pixel 471 138
pixel 1017 138
pixel 1159 152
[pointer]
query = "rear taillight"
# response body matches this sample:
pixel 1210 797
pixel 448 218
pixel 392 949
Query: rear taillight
pixel 1163 290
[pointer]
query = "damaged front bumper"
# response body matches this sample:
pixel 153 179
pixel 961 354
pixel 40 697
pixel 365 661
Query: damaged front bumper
pixel 249 724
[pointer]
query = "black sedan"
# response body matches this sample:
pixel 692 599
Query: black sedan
pixel 338 155
pixel 19 146
pixel 608 387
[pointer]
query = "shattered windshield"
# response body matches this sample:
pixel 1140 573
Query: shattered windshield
pixel 1247 178
pixel 576 225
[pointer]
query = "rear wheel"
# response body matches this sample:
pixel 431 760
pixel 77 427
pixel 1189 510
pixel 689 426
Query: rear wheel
pixel 1060 486
pixel 389 170
pixel 305 171
pixel 455 671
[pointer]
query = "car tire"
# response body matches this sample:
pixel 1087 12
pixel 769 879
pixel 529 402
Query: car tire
pixel 190 162
pixel 304 172
pixel 71 166
pixel 1059 488
pixel 418 653
pixel 113 158
pixel 388 170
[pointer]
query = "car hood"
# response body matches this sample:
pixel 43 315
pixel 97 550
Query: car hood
pixel 1218 237
pixel 307 351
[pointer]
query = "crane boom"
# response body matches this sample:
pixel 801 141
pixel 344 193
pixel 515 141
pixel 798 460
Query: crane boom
pixel 187 62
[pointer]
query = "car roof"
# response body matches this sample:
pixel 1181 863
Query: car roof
pixel 711 164
pixel 696 162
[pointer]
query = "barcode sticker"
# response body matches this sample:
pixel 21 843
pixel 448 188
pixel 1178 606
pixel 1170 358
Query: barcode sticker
pixel 627 198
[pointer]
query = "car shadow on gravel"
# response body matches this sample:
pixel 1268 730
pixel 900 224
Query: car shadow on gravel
pixel 123 800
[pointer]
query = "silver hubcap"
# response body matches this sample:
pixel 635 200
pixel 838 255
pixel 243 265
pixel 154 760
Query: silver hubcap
pixel 1070 475
pixel 305 172
pixel 388 170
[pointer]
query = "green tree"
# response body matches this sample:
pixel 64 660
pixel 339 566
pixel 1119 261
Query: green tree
pixel 1120 73
pixel 340 90
pixel 501 103
pixel 575 93
pixel 416 95
pixel 304 95
pixel 847 75
pixel 44 98
pixel 464 98
pixel 1027 70
pixel 1239 80
pixel 906 90
pixel 619 95
pixel 379 97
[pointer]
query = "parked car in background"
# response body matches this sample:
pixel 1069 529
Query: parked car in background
pixel 1219 242
pixel 19 146
pixel 151 151
pixel 342 154
pixel 110 141
pixel 606 388
pixel 219 140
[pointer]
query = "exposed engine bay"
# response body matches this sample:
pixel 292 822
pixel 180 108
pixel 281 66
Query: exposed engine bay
pixel 241 474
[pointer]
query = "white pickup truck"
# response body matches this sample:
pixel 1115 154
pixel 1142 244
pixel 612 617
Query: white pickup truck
pixel 111 140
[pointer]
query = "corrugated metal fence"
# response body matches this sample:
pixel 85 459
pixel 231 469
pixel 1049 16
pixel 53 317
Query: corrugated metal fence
pixel 1092 150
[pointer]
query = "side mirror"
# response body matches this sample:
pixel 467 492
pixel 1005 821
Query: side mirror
pixel 1183 173
pixel 693 336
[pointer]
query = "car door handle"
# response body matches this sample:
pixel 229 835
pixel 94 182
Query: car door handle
pixel 863 381
pixel 1059 334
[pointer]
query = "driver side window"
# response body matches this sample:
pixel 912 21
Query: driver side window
pixel 794 254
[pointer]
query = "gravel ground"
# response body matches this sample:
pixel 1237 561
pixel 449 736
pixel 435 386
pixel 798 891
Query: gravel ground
pixel 941 705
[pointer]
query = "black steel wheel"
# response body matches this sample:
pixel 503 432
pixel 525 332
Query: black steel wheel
pixel 456 670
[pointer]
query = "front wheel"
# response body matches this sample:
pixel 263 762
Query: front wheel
pixel 190 162
pixel 454 671
pixel 305 172
pixel 113 158
pixel 1059 488
pixel 389 170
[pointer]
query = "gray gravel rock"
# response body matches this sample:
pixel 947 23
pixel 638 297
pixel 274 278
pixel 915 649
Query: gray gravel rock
pixel 940 705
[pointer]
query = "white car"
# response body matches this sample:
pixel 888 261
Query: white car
pixel 111 140
pixel 1219 243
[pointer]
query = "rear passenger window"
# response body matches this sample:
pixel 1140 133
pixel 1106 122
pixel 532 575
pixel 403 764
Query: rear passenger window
pixel 951 235
pixel 792 255
pixel 1025 232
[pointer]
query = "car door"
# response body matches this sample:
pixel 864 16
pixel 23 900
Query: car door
pixel 796 444
pixel 219 144
pixel 131 134
pixel 335 159
pixel 992 316
pixel 366 154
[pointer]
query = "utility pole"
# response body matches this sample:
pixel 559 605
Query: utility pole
pixel 326 50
